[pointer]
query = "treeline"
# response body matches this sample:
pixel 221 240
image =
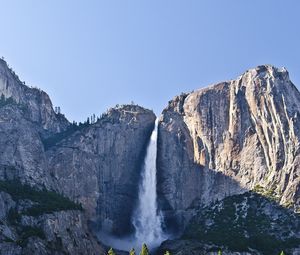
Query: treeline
pixel 145 251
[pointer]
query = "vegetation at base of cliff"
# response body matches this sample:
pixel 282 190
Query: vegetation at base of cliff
pixel 268 193
pixel 132 252
pixel 45 201
pixel 144 251
pixel 241 222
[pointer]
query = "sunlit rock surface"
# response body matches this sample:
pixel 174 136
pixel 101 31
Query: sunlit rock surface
pixel 228 138
pixel 96 165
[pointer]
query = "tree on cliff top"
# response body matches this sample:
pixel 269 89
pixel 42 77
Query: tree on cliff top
pixel 144 250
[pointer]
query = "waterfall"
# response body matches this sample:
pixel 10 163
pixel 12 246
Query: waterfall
pixel 146 219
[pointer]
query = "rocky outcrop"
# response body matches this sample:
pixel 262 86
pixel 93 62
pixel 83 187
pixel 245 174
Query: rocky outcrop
pixel 35 101
pixel 22 152
pixel 229 138
pixel 58 232
pixel 213 143
pixel 247 223
pixel 100 166
pixel 97 165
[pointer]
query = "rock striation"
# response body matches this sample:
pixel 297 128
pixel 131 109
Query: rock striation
pixel 35 101
pixel 61 183
pixel 229 138
pixel 97 165
pixel 100 166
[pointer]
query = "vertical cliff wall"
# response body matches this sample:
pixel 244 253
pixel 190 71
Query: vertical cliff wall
pixel 97 165
pixel 230 137
pixel 100 166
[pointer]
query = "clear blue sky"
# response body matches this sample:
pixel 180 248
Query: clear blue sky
pixel 90 55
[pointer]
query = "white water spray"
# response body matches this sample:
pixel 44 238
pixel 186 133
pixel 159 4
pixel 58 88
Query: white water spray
pixel 146 219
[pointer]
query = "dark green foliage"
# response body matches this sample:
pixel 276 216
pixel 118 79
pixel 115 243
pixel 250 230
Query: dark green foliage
pixel 45 201
pixel 25 232
pixel 56 138
pixel 132 252
pixel 144 250
pixel 240 228
pixel 10 101
pixel 5 101
pixel 111 252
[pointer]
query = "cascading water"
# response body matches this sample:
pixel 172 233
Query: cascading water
pixel 146 219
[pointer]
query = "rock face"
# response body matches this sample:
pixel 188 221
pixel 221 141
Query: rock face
pixel 229 138
pixel 35 101
pixel 59 181
pixel 61 232
pixel 100 166
pixel 248 223
pixel 97 165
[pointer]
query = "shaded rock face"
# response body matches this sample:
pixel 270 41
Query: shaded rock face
pixel 247 223
pixel 228 138
pixel 22 152
pixel 100 166
pixel 97 165
pixel 37 102
pixel 61 232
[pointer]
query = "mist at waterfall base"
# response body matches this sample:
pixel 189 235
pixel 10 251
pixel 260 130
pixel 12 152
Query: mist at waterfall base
pixel 146 219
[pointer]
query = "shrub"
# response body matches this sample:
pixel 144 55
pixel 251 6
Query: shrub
pixel 45 201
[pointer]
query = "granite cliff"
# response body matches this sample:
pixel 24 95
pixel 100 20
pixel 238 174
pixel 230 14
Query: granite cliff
pixel 227 139
pixel 91 171
pixel 222 151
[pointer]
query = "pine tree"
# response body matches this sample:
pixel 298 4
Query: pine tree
pixel 132 252
pixel 167 253
pixel 144 250
pixel 111 252
pixel 282 253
